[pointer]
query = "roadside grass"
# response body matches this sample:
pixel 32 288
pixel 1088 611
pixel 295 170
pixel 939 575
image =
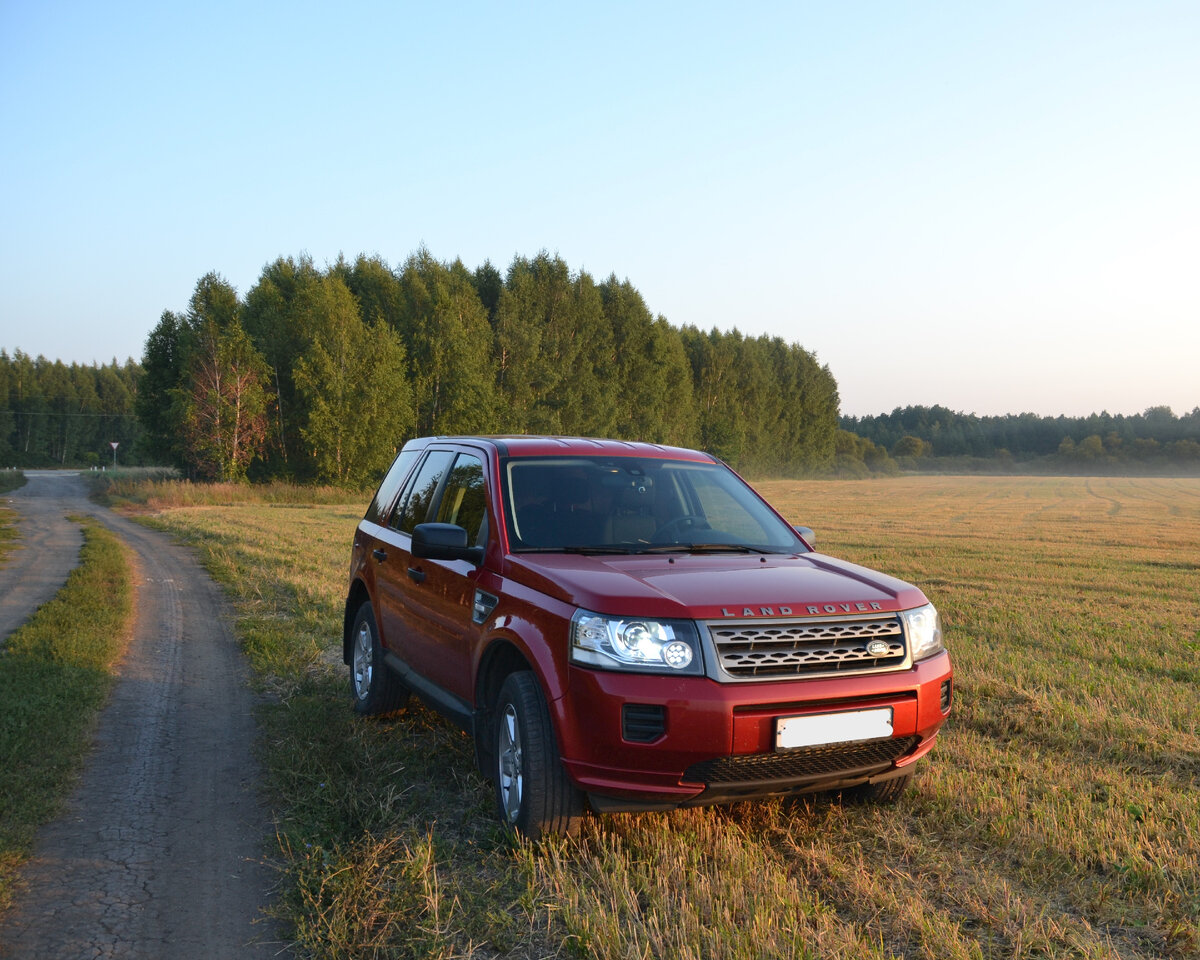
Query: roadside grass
pixel 1059 815
pixel 9 480
pixel 9 536
pixel 164 491
pixel 55 673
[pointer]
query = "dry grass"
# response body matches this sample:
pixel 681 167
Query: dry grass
pixel 1059 817
pixel 137 493
pixel 9 537
pixel 9 480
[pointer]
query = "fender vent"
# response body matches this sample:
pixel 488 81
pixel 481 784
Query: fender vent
pixel 643 722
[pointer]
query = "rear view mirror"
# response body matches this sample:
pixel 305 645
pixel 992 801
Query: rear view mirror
pixel 444 541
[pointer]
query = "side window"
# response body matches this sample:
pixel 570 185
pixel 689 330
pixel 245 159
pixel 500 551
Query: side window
pixel 421 491
pixel 464 501
pixel 386 494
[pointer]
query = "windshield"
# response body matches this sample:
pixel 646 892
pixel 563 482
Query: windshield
pixel 635 505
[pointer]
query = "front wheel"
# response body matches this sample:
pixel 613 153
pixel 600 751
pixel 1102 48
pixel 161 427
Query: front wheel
pixel 886 791
pixel 534 795
pixel 374 687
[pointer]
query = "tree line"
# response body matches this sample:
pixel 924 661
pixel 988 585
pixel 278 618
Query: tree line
pixel 52 414
pixel 933 437
pixel 321 374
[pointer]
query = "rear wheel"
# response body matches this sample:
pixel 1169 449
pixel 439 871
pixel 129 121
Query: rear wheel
pixel 374 687
pixel 534 795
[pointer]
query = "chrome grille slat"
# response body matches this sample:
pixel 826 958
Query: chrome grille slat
pixel 774 649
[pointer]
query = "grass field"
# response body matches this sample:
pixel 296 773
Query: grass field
pixel 1059 817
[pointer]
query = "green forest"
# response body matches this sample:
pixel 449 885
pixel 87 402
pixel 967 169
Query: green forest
pixel 320 375
pixel 54 415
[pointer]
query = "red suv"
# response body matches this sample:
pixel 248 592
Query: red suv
pixel 632 626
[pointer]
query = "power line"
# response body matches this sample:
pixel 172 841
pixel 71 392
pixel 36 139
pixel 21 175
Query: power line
pixel 53 413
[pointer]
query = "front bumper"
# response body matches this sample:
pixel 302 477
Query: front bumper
pixel 696 741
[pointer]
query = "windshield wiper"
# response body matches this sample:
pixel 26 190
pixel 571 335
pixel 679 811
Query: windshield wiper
pixel 584 550
pixel 703 548
pixel 652 548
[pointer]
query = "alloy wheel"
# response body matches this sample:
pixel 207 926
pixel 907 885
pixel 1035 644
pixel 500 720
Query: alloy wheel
pixel 364 661
pixel 512 781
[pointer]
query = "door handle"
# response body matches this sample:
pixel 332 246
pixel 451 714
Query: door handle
pixel 379 555
pixel 418 576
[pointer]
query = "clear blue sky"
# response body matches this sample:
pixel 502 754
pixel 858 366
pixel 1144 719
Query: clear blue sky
pixel 995 207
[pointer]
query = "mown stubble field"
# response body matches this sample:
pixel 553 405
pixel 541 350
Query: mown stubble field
pixel 1059 817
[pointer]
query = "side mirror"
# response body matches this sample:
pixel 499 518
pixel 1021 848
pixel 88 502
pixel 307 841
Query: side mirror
pixel 807 533
pixel 444 541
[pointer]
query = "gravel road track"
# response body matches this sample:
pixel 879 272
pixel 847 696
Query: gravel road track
pixel 159 851
pixel 48 548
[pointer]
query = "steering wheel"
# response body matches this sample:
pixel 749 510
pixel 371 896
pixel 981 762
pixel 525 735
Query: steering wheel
pixel 669 529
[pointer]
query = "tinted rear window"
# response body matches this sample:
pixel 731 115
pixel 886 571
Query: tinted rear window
pixel 385 496
pixel 422 490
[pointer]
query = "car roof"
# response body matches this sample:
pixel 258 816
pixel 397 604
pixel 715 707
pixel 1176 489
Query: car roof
pixel 520 445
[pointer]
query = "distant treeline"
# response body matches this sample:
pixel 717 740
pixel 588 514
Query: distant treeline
pixel 323 374
pixel 939 438
pixel 52 414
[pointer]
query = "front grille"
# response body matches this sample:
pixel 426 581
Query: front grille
pixel 810 763
pixel 799 648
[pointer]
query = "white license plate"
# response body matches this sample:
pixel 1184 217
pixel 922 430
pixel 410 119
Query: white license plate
pixel 822 728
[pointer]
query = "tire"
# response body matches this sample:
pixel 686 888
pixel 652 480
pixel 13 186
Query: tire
pixel 534 795
pixel 884 792
pixel 373 687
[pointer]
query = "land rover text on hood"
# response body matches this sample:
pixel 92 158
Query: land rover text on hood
pixel 631 627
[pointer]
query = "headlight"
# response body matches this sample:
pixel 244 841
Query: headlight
pixel 651 646
pixel 924 631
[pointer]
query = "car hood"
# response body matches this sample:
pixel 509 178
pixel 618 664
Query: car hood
pixel 714 586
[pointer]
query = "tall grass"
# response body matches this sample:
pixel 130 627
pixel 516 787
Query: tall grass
pixel 9 480
pixel 166 491
pixel 1059 815
pixel 55 672
pixel 8 534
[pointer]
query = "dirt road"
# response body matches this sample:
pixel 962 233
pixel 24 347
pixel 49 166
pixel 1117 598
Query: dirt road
pixel 159 852
pixel 48 548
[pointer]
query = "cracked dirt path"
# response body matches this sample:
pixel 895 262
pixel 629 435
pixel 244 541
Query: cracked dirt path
pixel 159 850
